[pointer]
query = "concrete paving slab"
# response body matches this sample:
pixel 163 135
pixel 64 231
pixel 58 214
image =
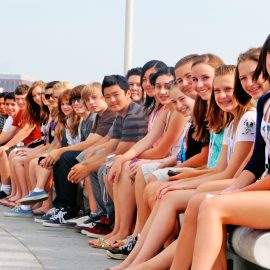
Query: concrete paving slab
pixel 26 245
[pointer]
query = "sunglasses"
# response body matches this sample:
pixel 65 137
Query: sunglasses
pixel 48 96
pixel 73 100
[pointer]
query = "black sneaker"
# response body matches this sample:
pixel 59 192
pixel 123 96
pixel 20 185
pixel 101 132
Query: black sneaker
pixel 3 194
pixel 92 219
pixel 122 252
pixel 47 216
pixel 59 219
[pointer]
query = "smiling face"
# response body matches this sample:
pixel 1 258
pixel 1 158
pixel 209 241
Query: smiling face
pixel 202 80
pixel 78 106
pixel 116 98
pixel 254 88
pixel 162 88
pixel 184 80
pixel 11 107
pixel 20 99
pixel 134 83
pixel 223 90
pixel 65 107
pixel 181 102
pixel 146 85
pixel 36 95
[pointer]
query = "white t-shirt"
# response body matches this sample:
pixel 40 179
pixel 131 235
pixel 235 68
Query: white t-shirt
pixel 245 132
pixel 8 123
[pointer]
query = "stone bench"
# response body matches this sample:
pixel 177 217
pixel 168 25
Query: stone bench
pixel 252 246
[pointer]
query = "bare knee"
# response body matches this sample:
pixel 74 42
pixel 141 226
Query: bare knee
pixel 149 194
pixel 208 209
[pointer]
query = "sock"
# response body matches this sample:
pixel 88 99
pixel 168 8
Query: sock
pixel 38 189
pixel 25 207
pixel 6 188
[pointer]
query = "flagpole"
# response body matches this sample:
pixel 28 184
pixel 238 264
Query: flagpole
pixel 128 35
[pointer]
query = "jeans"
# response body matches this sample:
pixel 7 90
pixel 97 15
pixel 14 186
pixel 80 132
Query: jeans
pixel 104 202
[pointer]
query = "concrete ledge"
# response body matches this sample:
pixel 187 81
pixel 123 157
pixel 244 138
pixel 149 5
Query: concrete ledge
pixel 252 245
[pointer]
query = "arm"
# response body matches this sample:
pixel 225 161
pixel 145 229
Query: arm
pixel 5 136
pixel 146 142
pixel 20 136
pixel 54 155
pixel 197 160
pixel 240 152
pixel 263 184
pixel 80 171
pixel 175 128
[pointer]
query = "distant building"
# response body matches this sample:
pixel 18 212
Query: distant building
pixel 10 81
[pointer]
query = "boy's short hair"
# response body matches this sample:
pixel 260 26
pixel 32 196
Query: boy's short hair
pixel 9 95
pixel 134 72
pixel 112 80
pixel 21 89
pixel 91 89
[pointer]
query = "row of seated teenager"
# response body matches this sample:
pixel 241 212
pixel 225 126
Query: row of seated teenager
pixel 120 160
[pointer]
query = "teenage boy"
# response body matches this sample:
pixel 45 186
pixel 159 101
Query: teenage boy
pixel 65 157
pixel 9 138
pixel 11 109
pixel 129 126
pixel 3 113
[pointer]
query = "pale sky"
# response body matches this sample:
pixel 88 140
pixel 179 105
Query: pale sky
pixel 83 40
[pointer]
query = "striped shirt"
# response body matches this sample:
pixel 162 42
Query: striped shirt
pixel 132 127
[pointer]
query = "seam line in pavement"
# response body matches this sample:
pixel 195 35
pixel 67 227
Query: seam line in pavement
pixel 25 246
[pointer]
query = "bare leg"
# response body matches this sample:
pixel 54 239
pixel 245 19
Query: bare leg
pixel 139 189
pixel 4 169
pixel 186 238
pixel 124 202
pixel 20 174
pixel 161 261
pixel 158 227
pixel 252 211
pixel 15 183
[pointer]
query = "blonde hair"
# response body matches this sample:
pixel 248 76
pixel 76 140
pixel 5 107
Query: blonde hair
pixel 217 118
pixel 200 108
pixel 91 89
pixel 63 85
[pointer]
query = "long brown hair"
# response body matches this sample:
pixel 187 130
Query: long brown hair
pixel 33 111
pixel 201 132
pixel 62 118
pixel 240 94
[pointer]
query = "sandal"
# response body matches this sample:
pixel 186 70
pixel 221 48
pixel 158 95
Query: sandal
pixel 101 243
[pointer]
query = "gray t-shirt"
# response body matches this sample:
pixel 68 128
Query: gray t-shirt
pixel 132 127
pixel 86 126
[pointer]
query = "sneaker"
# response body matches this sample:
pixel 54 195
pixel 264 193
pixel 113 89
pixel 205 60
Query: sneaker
pixel 122 252
pixel 18 212
pixel 91 220
pixel 46 216
pixel 75 221
pixel 59 219
pixel 99 229
pixel 3 194
pixel 34 197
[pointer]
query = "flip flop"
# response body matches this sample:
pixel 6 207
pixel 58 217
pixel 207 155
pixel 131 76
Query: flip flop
pixel 101 243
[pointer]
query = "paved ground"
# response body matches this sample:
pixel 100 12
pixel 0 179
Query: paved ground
pixel 26 245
